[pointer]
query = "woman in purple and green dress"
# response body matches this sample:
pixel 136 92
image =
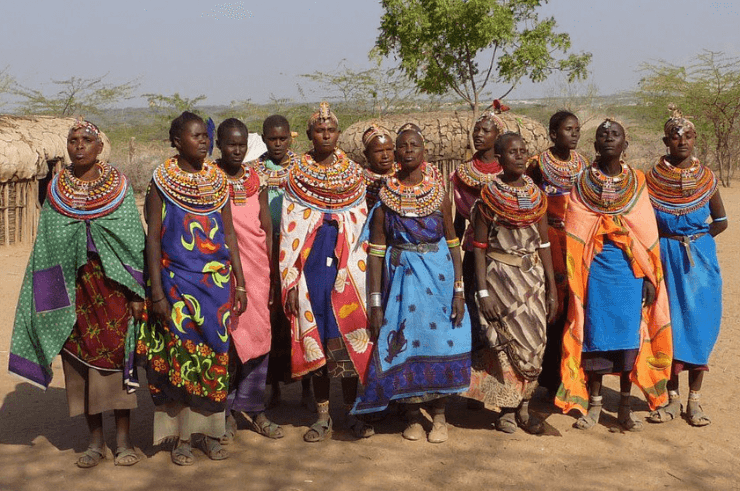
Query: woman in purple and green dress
pixel 83 292
pixel 684 194
pixel 192 254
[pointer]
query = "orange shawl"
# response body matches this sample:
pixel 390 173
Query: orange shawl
pixel 635 232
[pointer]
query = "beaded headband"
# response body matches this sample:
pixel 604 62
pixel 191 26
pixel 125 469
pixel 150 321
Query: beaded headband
pixel 608 122
pixel 491 113
pixel 375 131
pixel 410 127
pixel 323 114
pixel 677 123
pixel 81 124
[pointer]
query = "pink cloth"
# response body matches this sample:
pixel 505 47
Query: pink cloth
pixel 251 334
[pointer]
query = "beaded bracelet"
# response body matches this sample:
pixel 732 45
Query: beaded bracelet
pixel 720 219
pixel 479 245
pixel 376 250
pixel 452 243
pixel 544 246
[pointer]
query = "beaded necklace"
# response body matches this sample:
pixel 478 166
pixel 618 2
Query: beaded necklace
pixel 243 186
pixel 86 200
pixel 476 173
pixel 374 183
pixel 680 191
pixel 199 192
pixel 513 206
pixel 608 194
pixel 337 186
pixel 559 176
pixel 418 200
pixel 277 178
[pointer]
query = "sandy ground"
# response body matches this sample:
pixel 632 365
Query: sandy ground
pixel 39 443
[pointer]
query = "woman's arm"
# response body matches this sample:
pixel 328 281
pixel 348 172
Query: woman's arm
pixel 480 236
pixel 458 300
pixel 719 216
pixel 375 270
pixel 266 222
pixel 546 257
pixel 160 305
pixel 240 297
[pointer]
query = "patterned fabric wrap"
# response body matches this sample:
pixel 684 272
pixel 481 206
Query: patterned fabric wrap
pixel 680 191
pixel 694 292
pixel 299 226
pixel 505 372
pixel 420 352
pixel 46 312
pixel 636 233
pixel 187 358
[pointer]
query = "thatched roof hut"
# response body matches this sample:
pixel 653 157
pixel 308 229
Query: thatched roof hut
pixel 445 134
pixel 31 147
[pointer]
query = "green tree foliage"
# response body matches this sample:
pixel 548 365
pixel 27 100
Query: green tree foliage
pixel 463 45
pixel 708 92
pixel 75 96
pixel 168 107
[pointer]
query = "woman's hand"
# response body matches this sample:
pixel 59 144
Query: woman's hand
pixel 162 309
pixel 648 293
pixel 240 302
pixel 458 309
pixel 552 304
pixel 291 302
pixel 136 310
pixel 486 307
pixel 375 321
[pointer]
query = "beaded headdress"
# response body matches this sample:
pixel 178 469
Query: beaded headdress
pixel 491 114
pixel 410 127
pixel 677 123
pixel 323 114
pixel 81 124
pixel 375 131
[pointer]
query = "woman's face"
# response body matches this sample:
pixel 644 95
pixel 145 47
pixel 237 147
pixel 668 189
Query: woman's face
pixel 513 158
pixel 409 150
pixel 233 148
pixel 681 143
pixel 567 134
pixel 610 140
pixel 324 135
pixel 278 140
pixel 83 147
pixel 379 154
pixel 484 135
pixel 192 143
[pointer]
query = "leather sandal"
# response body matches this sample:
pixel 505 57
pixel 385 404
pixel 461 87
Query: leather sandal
pixel 319 431
pixel 125 457
pixel 91 457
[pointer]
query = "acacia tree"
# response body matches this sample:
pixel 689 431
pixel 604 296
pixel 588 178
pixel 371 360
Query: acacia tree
pixel 463 45
pixel 707 91
pixel 168 107
pixel 75 96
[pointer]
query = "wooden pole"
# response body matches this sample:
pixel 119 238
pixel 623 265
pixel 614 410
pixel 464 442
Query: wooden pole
pixel 18 186
pixel 6 212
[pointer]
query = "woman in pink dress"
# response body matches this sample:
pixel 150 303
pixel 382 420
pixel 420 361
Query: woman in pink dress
pixel 251 334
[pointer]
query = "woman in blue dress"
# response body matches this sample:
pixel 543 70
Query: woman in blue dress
pixel 684 195
pixel 422 352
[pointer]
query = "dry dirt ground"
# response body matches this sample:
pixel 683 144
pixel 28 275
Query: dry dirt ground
pixel 39 443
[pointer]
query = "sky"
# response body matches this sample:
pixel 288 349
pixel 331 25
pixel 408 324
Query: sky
pixel 231 51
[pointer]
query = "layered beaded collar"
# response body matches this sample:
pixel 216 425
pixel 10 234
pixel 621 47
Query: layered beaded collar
pixel 418 200
pixel 86 200
pixel 475 173
pixel 244 186
pixel 608 194
pixel 559 176
pixel 513 206
pixel 275 178
pixel 335 187
pixel 680 191
pixel 199 192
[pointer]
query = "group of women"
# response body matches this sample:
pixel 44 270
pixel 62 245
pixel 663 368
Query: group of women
pixel 311 267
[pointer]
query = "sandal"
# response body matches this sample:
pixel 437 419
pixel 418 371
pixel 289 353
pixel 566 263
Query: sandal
pixel 531 425
pixel 125 456
pixel 506 423
pixel 267 428
pixel 591 418
pixel 438 433
pixel 182 454
pixel 669 412
pixel 318 432
pixel 414 432
pixel 91 457
pixel 359 428
pixel 230 433
pixel 695 413
pixel 627 420
pixel 214 450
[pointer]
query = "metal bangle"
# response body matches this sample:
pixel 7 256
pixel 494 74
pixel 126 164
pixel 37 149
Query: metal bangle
pixel 240 289
pixel 376 299
pixel 483 293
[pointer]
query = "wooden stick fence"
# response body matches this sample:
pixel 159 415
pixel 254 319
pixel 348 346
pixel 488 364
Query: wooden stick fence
pixel 20 211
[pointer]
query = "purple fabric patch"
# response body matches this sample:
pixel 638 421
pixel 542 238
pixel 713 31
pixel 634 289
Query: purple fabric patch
pixel 49 290
pixel 90 244
pixel 137 275
pixel 28 370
